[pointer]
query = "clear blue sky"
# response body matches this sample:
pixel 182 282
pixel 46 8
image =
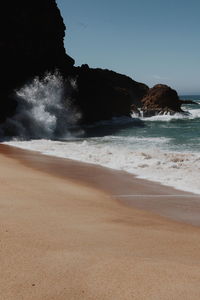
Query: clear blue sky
pixel 152 41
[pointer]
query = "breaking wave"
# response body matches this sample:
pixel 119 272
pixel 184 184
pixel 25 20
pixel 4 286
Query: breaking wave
pixel 45 109
pixel 191 114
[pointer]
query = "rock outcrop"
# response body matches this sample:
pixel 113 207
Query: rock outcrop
pixel 103 94
pixel 161 99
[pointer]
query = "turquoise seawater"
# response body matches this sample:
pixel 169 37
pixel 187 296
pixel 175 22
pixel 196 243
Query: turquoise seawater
pixel 183 132
pixel 162 148
pixel 180 133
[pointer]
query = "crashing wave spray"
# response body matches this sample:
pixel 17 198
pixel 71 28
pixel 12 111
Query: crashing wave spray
pixel 45 109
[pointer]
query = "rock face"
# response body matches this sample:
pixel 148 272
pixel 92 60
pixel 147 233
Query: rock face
pixel 31 42
pixel 103 94
pixel 32 38
pixel 161 99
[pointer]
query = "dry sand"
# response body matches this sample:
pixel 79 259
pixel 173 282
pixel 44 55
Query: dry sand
pixel 63 235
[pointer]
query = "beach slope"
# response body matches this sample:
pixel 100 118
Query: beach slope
pixel 63 238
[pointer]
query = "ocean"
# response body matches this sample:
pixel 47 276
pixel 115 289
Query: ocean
pixel 162 148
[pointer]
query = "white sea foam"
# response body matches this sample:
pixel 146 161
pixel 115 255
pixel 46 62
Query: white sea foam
pixel 180 170
pixel 191 114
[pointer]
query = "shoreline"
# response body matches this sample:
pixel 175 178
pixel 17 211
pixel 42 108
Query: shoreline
pixel 175 169
pixel 127 188
pixel 62 237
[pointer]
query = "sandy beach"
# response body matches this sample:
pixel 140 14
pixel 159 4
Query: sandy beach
pixel 73 231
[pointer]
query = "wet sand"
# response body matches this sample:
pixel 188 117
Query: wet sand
pixel 120 185
pixel 67 232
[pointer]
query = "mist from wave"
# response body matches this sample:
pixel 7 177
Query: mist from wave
pixel 44 109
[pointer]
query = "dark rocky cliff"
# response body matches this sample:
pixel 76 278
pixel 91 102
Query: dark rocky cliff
pixel 31 43
pixel 31 40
